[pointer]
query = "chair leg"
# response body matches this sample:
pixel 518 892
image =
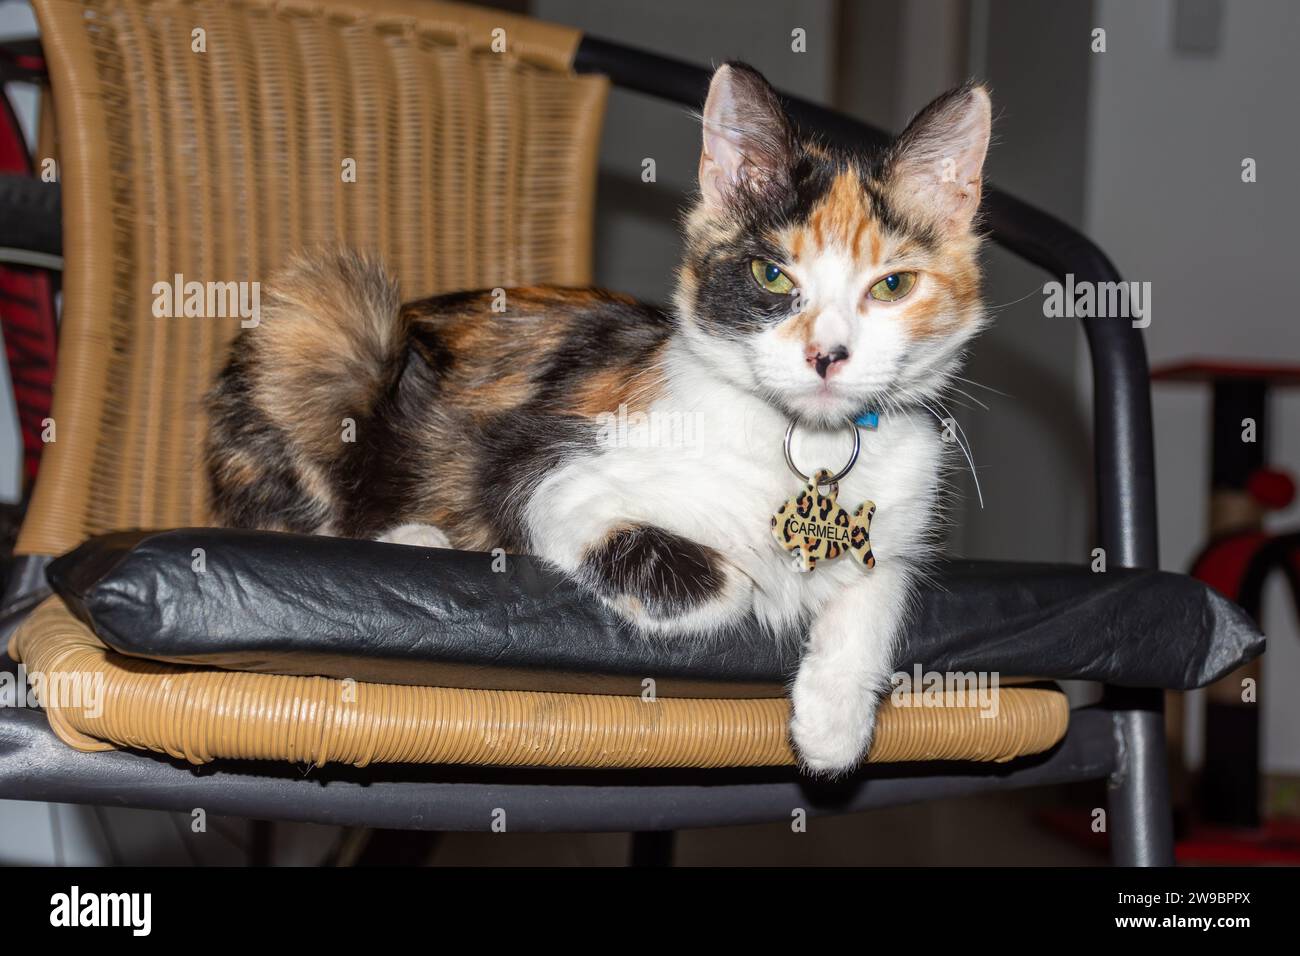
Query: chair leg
pixel 652 848
pixel 398 848
pixel 1141 815
pixel 261 842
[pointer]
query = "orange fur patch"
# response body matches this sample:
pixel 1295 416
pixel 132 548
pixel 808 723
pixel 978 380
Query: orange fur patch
pixel 844 218
pixel 240 469
pixel 838 217
pixel 841 218
pixel 941 312
pixel 606 391
pixel 799 327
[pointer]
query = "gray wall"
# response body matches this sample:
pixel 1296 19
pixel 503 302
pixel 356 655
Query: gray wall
pixel 637 245
pixel 1031 444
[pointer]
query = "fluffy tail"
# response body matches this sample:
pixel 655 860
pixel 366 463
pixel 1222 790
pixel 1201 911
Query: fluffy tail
pixel 299 386
pixel 329 345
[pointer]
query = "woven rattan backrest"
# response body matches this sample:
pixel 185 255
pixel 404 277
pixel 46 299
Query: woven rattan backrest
pixel 212 139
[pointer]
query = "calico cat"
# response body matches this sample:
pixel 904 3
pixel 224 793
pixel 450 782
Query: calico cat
pixel 815 284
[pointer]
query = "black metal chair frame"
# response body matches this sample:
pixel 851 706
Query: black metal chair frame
pixel 1120 740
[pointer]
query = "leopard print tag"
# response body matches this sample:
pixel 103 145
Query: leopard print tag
pixel 813 526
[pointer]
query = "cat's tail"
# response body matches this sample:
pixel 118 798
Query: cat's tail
pixel 289 414
pixel 330 344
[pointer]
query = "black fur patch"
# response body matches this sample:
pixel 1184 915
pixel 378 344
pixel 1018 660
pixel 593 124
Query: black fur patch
pixel 664 572
pixel 517 450
pixel 427 345
pixel 609 333
pixel 272 498
pixel 374 479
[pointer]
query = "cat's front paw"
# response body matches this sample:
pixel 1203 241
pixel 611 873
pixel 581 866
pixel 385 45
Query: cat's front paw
pixel 832 724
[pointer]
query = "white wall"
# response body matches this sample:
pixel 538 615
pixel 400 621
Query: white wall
pixel 1168 132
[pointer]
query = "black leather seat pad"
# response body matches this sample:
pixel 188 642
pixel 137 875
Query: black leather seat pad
pixel 294 604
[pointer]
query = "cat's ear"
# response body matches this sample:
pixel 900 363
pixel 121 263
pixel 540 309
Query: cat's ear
pixel 935 170
pixel 748 143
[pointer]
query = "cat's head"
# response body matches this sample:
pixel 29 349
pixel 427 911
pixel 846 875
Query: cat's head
pixel 832 282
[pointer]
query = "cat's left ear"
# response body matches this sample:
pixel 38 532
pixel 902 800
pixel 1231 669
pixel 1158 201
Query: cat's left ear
pixel 748 142
pixel 936 167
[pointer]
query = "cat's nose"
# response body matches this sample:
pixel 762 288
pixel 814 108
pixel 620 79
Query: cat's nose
pixel 825 360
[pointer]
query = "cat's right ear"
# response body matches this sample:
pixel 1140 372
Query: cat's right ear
pixel 748 143
pixel 936 167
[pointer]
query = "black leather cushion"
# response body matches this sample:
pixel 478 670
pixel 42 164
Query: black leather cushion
pixel 294 604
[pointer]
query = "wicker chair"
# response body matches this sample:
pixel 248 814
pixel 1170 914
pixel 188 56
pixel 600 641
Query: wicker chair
pixel 210 140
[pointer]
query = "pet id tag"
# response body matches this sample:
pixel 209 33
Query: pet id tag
pixel 814 526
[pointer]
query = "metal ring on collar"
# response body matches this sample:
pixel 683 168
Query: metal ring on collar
pixel 853 458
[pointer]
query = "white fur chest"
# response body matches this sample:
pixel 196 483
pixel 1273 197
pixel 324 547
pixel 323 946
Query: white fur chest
pixel 706 461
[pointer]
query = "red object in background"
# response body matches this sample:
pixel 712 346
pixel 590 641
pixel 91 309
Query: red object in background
pixel 1224 563
pixel 27 316
pixel 1271 488
pixel 1275 842
pixel 1210 372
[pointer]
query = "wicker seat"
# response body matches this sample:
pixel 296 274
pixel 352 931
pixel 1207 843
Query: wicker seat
pixel 201 714
pixel 215 155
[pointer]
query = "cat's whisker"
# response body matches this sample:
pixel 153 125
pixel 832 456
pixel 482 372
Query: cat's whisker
pixel 962 442
pixel 992 310
pixel 965 405
pixel 987 388
pixel 961 391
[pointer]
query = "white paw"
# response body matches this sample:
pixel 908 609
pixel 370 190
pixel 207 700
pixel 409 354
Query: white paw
pixel 418 535
pixel 832 724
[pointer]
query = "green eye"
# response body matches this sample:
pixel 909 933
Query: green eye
pixel 893 286
pixel 770 277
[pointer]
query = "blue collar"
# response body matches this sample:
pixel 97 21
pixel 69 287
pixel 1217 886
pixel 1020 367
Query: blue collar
pixel 868 419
